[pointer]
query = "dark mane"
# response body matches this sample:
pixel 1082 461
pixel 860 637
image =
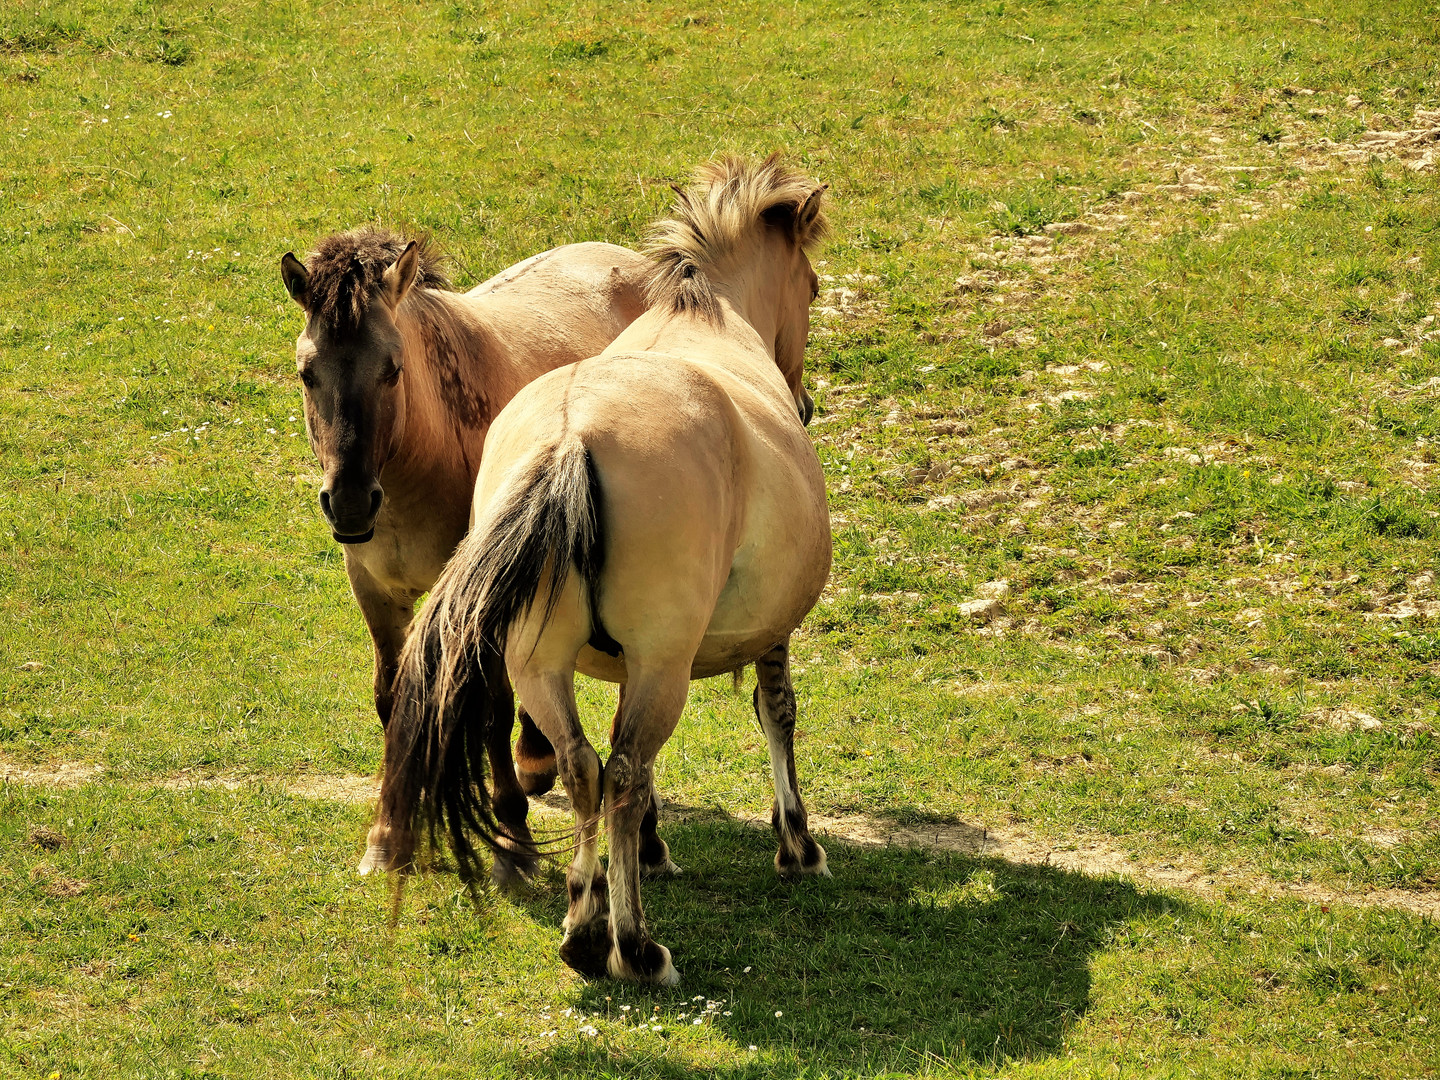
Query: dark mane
pixel 345 270
pixel 730 199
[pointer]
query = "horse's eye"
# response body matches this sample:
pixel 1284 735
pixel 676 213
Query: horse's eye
pixel 391 377
pixel 308 378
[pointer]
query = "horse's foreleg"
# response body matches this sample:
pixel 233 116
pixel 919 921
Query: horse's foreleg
pixel 551 701
pixel 649 710
pixel 775 709
pixel 388 616
pixel 517 862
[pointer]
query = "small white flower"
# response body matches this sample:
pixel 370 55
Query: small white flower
pixel 271 431
pixel 656 1027
pixel 753 1047
pixel 778 1014
pixel 747 971
pixel 105 119
pixel 726 1013
pixel 695 1022
pixel 1367 228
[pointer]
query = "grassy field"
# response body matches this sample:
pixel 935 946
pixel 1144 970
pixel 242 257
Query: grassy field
pixel 1128 371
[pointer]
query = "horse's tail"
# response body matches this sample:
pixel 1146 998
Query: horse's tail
pixel 451 678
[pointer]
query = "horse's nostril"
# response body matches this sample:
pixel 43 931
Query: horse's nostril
pixel 325 506
pixel 376 496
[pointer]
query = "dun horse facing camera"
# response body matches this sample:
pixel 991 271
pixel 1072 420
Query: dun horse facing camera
pixel 402 378
pixel 649 516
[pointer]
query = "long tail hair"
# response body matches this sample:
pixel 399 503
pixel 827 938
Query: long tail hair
pixel 445 694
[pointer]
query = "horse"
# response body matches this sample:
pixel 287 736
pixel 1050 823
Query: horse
pixel 401 378
pixel 649 516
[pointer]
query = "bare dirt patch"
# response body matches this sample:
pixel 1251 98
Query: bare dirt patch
pixel 63 776
pixel 1084 856
pixel 66 776
pixel 1416 147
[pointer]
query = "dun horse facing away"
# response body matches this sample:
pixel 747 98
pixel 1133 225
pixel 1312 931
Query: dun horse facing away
pixel 649 516
pixel 402 378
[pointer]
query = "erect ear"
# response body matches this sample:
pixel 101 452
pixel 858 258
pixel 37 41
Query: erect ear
pixel 297 280
pixel 401 275
pixel 805 219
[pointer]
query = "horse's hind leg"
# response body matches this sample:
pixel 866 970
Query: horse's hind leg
pixel 654 852
pixel 775 709
pixel 517 862
pixel 534 758
pixel 648 714
pixel 550 699
pixel 655 858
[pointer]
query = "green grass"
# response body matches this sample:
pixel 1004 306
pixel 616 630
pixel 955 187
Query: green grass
pixel 1183 441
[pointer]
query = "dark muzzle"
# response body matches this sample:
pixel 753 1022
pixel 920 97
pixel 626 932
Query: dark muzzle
pixel 351 510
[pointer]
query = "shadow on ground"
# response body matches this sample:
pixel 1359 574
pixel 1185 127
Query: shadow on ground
pixel 904 956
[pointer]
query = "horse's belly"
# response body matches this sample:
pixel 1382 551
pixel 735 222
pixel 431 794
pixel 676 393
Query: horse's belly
pixel 717 656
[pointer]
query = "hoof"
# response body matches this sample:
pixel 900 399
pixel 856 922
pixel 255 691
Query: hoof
pixel 377 860
pixel 512 875
pixel 651 965
pixel 535 783
pixel 811 864
pixel 385 849
pixel 655 858
pixel 586 948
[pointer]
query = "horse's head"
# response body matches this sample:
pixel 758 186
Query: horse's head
pixel 744 230
pixel 794 227
pixel 351 363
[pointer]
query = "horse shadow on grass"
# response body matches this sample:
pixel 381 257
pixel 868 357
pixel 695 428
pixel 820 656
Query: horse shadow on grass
pixel 905 956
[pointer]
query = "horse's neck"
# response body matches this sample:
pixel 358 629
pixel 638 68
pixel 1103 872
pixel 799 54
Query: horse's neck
pixel 447 408
pixel 753 304
pixel 732 341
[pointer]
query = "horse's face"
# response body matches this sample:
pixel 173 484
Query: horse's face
pixel 354 399
pixel 354 403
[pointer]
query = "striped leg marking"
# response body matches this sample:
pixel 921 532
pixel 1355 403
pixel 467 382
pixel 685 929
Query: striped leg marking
pixel 775 709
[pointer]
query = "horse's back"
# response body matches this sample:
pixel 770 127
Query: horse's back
pixel 707 500
pixel 592 268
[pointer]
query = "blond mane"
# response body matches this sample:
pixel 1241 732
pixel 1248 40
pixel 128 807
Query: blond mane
pixel 728 202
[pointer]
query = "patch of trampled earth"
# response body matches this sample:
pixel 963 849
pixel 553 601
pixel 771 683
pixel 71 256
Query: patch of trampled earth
pixel 1409 345
pixel 1417 147
pixel 846 298
pixel 61 777
pixel 1093 858
pixel 66 776
pixel 863 830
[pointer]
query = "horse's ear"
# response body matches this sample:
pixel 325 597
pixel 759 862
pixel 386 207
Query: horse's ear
pixel 401 275
pixel 806 217
pixel 297 280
